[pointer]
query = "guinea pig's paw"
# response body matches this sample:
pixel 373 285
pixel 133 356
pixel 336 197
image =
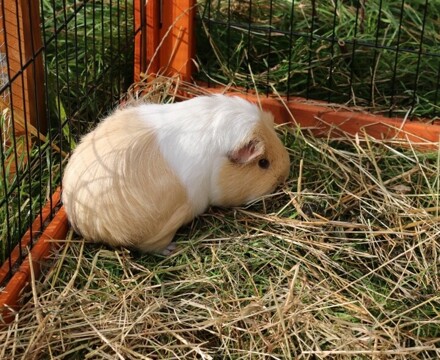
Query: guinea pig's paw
pixel 169 249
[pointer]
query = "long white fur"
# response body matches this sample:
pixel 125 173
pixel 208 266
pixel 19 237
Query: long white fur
pixel 206 130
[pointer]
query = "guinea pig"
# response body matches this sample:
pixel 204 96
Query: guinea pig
pixel 147 169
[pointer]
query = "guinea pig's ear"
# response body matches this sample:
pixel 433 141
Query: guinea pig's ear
pixel 247 152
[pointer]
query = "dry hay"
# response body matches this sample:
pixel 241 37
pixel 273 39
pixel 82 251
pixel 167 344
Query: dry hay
pixel 341 263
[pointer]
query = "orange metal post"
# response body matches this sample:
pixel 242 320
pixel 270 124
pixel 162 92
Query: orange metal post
pixel 153 36
pixel 147 38
pixel 22 65
pixel 139 39
pixel 177 32
pixel 22 40
pixel 167 47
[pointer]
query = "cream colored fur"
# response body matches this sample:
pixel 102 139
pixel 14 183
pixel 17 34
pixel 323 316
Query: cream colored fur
pixel 118 189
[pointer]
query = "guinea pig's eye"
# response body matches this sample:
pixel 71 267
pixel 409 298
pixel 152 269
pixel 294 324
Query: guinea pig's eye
pixel 263 163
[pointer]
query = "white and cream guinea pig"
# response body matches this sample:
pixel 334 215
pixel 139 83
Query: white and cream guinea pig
pixel 148 169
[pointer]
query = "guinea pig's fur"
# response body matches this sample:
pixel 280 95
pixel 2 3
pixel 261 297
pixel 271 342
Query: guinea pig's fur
pixel 148 169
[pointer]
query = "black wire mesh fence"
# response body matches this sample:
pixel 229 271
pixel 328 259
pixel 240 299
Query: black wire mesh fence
pixel 83 58
pixel 381 55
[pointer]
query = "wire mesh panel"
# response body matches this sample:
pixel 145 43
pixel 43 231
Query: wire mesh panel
pixel 383 55
pixel 56 82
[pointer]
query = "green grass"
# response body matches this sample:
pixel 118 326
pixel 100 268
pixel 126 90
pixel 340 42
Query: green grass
pixel 341 262
pixel 89 58
pixel 350 59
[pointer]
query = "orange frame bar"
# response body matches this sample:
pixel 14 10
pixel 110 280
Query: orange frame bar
pixel 22 39
pixel 168 46
pixel 33 232
pixel 177 50
pixel 20 281
pixel 147 25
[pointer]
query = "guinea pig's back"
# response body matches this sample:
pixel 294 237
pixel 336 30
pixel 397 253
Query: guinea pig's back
pixel 119 189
